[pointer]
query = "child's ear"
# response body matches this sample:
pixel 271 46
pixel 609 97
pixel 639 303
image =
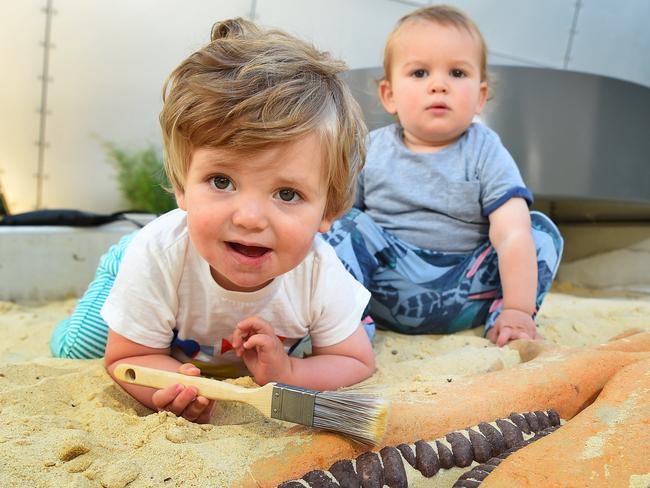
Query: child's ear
pixel 484 91
pixel 180 198
pixel 325 224
pixel 386 97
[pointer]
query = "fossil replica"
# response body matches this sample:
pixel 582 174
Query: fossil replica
pixel 564 380
pixel 474 477
pixel 481 443
pixel 606 445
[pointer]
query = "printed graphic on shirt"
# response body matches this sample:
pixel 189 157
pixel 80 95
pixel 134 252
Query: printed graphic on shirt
pixel 219 362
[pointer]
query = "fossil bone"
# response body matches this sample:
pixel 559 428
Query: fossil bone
pixel 566 380
pixel 605 445
pixel 388 467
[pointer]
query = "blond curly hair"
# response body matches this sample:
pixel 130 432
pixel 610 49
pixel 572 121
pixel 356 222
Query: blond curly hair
pixel 250 88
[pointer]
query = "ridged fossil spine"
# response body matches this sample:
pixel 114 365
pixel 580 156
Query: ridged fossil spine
pixel 473 477
pixel 480 443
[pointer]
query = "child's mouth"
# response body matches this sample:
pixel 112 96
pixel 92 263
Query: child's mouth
pixel 248 251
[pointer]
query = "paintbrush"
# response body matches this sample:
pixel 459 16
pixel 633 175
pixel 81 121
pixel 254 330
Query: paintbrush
pixel 358 415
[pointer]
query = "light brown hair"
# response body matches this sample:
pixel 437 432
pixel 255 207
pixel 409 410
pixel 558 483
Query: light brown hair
pixel 250 88
pixel 441 15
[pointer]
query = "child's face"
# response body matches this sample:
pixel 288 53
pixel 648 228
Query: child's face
pixel 435 86
pixel 253 217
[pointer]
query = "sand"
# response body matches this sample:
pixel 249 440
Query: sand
pixel 65 423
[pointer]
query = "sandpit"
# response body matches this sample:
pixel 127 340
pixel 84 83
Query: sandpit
pixel 65 423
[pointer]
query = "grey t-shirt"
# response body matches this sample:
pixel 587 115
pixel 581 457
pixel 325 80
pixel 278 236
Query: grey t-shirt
pixel 441 200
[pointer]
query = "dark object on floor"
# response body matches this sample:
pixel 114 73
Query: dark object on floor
pixel 67 217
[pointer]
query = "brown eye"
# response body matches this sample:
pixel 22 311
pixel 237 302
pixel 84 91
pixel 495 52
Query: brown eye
pixel 288 195
pixel 221 182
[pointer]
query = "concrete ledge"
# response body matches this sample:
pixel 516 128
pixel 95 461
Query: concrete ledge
pixel 41 263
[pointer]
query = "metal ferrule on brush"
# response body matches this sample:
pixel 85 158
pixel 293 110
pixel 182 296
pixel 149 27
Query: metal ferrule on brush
pixel 293 404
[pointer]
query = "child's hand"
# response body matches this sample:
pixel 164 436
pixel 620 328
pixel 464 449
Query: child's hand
pixel 513 324
pixel 254 340
pixel 184 400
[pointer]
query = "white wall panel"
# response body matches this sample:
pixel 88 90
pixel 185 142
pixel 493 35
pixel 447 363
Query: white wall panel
pixel 108 69
pixel 516 32
pixel 21 30
pixel 110 59
pixel 352 30
pixel 613 39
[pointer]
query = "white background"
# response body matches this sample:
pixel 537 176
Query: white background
pixel 109 59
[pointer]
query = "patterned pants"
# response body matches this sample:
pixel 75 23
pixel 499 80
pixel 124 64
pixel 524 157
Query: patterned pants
pixel 419 291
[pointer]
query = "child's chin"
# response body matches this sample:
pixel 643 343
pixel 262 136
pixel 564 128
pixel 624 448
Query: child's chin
pixel 247 285
pixel 238 283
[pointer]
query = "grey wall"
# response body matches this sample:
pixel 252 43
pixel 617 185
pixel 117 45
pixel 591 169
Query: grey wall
pixel 109 58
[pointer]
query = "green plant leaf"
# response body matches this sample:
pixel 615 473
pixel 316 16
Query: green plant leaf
pixel 141 178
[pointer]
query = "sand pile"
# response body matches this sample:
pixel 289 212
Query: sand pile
pixel 65 423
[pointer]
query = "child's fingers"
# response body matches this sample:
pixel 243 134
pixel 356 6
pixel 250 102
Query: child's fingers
pixel 237 338
pixel 206 415
pixel 509 334
pixel 243 330
pixel 521 334
pixel 182 401
pixel 237 341
pixel 261 342
pixel 504 336
pixel 492 335
pixel 189 369
pixel 163 399
pixel 196 408
pixel 254 325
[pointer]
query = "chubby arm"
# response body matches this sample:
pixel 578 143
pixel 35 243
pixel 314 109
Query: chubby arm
pixel 183 401
pixel 328 368
pixel 343 364
pixel 511 237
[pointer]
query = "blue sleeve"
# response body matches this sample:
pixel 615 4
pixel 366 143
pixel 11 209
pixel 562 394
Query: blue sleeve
pixel 499 175
pixel 515 192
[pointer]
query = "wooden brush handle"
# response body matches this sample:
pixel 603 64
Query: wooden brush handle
pixel 259 398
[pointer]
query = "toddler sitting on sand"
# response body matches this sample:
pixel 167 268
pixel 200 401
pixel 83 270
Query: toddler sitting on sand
pixel 441 234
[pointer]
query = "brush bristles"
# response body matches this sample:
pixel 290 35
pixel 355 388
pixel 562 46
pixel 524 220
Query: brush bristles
pixel 360 416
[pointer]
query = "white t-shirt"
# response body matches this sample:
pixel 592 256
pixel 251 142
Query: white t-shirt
pixel 164 286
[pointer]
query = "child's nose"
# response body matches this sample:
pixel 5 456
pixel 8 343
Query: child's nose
pixel 437 85
pixel 250 215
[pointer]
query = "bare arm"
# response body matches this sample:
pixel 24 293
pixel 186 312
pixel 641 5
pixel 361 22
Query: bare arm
pixel 511 236
pixel 328 368
pixel 332 367
pixel 178 399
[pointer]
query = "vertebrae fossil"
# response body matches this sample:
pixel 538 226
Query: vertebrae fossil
pixel 485 443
